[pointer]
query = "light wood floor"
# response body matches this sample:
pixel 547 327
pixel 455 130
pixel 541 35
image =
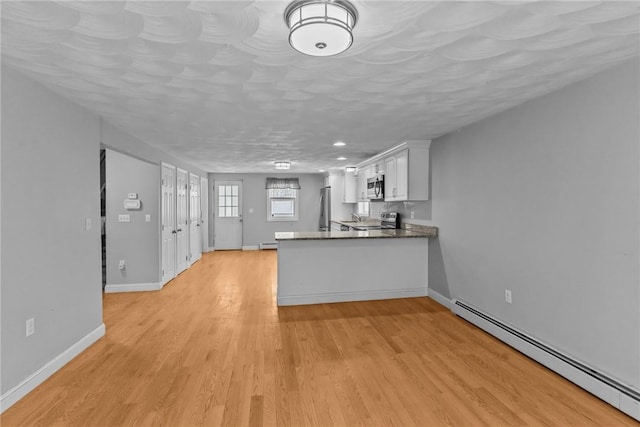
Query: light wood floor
pixel 213 349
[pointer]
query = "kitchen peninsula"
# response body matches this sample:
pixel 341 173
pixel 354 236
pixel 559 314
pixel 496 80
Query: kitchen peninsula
pixel 338 266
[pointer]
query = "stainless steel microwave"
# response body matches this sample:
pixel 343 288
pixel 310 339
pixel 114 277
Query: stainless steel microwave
pixel 375 187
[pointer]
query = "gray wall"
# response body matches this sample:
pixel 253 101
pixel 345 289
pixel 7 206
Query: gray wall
pixel 117 140
pixel 50 263
pixel 137 242
pixel 543 200
pixel 256 228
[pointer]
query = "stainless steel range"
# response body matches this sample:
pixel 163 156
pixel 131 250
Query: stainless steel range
pixel 389 220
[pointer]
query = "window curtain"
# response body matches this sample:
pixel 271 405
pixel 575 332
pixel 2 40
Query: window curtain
pixel 280 183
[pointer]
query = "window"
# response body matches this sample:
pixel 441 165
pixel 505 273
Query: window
pixel 363 209
pixel 282 204
pixel 228 201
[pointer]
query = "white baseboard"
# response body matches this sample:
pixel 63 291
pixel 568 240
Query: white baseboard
pixel 332 297
pixel 212 249
pixel 440 299
pixel 133 287
pixel 250 248
pixel 38 377
pixel 589 378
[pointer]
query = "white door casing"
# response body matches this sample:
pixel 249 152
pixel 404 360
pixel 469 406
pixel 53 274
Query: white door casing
pixel 204 214
pixel 168 223
pixel 182 219
pixel 228 214
pixel 194 219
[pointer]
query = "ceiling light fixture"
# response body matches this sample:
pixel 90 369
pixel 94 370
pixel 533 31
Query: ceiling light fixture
pixel 282 165
pixel 339 144
pixel 350 169
pixel 341 158
pixel 320 27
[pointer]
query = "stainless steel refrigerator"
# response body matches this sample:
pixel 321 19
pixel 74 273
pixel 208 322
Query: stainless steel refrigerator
pixel 325 209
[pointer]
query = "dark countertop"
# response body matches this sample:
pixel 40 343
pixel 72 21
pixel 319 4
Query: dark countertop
pixel 371 234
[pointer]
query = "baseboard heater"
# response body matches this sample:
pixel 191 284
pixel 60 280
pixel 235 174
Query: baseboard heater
pixel 617 394
pixel 269 245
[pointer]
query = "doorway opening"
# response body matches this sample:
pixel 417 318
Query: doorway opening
pixel 103 214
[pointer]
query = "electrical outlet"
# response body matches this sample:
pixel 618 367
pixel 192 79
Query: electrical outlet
pixel 121 265
pixel 507 295
pixel 87 224
pixel 147 218
pixel 31 326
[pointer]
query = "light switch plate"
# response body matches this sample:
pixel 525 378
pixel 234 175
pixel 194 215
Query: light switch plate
pixel 31 327
pixel 87 224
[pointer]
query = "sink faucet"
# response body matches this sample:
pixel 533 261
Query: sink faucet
pixel 356 217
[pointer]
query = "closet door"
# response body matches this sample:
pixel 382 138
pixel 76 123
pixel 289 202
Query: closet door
pixel 168 225
pixel 195 213
pixel 182 221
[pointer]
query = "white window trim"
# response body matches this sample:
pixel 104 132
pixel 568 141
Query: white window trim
pixel 296 209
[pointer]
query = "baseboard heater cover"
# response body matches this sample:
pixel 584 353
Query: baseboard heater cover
pixel 268 245
pixel 612 391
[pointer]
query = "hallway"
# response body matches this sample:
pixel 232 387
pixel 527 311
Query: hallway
pixel 213 349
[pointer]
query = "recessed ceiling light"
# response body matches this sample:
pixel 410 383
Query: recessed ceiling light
pixel 282 165
pixel 341 158
pixel 339 144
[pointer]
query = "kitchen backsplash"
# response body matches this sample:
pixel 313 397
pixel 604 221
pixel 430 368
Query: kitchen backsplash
pixel 421 211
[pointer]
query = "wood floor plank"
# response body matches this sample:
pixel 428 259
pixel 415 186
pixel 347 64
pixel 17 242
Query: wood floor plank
pixel 213 349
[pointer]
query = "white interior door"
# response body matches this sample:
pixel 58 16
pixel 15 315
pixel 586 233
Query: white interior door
pixel 182 221
pixel 194 219
pixel 204 214
pixel 228 214
pixel 168 223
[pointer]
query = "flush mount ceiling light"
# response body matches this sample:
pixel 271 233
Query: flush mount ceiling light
pixel 339 144
pixel 341 158
pixel 350 169
pixel 282 165
pixel 320 27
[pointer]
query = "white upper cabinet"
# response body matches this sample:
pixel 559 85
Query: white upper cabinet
pixel 349 189
pixel 363 173
pixel 406 172
pixel 390 178
pixel 396 179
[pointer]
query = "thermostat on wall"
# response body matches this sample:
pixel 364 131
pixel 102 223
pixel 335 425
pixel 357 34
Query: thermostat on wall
pixel 131 204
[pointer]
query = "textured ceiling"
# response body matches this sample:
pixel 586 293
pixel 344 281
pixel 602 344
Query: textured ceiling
pixel 217 84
